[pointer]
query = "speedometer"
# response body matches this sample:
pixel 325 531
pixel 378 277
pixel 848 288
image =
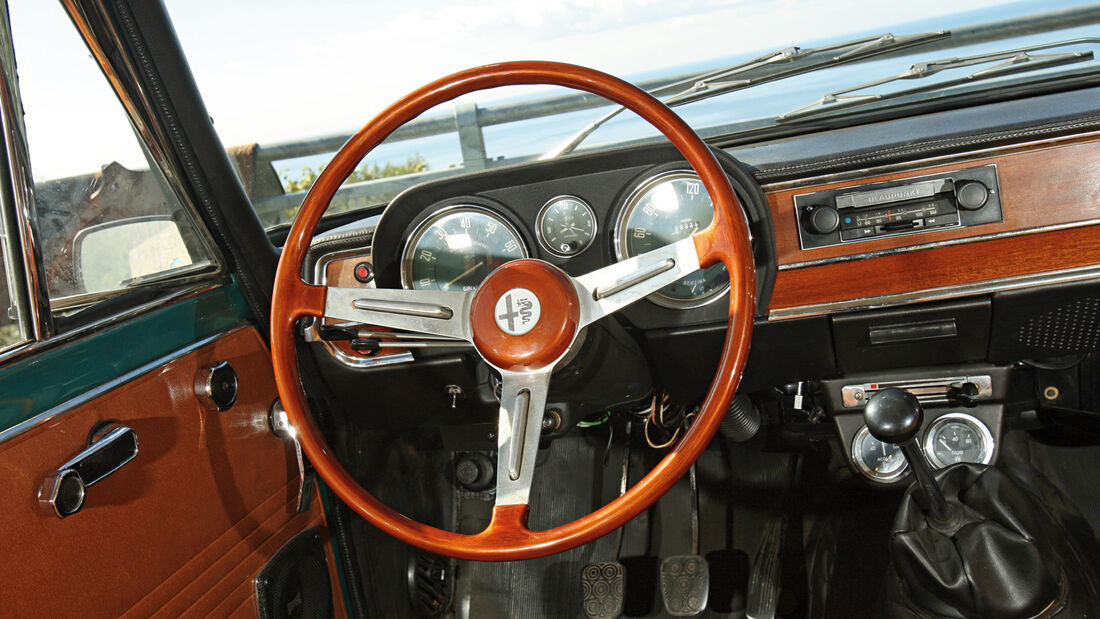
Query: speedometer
pixel 457 247
pixel 666 208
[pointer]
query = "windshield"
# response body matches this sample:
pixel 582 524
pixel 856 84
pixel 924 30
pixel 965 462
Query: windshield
pixel 286 84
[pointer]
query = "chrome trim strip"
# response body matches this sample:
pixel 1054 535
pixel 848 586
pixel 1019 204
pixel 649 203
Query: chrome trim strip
pixel 22 185
pixel 649 272
pixel 36 347
pixel 945 243
pixel 92 394
pixel 404 308
pixel 944 292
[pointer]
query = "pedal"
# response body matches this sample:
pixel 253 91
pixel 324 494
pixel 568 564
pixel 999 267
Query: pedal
pixel 763 594
pixel 602 587
pixel 685 585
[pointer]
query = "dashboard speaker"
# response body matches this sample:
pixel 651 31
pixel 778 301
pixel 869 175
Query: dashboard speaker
pixel 1046 322
pixel 295 583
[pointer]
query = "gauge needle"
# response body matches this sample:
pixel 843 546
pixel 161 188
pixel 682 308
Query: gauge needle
pixel 943 442
pixel 464 274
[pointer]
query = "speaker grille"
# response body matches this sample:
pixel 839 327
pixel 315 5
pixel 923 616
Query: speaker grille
pixel 294 584
pixel 1071 327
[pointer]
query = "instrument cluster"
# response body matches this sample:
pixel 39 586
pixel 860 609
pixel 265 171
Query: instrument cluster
pixel 456 246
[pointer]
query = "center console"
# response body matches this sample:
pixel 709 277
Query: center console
pixel 962 422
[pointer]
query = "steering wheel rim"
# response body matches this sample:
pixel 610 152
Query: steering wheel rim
pixel 507 537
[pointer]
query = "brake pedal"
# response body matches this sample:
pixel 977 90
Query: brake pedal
pixel 685 585
pixel 685 579
pixel 764 586
pixel 602 587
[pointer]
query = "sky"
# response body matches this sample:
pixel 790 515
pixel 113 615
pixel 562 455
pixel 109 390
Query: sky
pixel 273 70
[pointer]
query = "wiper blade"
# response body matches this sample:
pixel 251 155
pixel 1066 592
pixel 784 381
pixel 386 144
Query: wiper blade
pixel 788 62
pixel 1008 62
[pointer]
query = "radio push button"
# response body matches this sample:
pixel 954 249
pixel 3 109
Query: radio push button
pixel 942 220
pixel 857 233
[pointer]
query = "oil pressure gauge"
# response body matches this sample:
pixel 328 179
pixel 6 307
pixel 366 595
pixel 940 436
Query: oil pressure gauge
pixel 566 226
pixel 958 437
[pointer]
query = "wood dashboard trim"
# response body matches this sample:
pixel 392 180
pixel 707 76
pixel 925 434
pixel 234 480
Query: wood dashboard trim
pixel 942 269
pixel 1046 187
pixel 1051 203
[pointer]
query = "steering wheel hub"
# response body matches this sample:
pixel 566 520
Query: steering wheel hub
pixel 525 315
pixel 518 311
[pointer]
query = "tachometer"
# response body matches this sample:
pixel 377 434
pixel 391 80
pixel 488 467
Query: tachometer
pixel 666 208
pixel 457 247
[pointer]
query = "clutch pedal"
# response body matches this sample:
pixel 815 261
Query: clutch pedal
pixel 603 585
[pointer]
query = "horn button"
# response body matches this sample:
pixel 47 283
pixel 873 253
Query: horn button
pixel 524 315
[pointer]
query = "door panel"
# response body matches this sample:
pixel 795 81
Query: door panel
pixel 181 529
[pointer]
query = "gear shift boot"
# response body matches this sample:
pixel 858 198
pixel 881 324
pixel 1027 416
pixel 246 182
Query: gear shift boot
pixel 994 559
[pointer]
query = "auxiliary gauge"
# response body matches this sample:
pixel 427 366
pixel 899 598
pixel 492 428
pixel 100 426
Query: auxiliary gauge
pixel 566 226
pixel 878 461
pixel 958 437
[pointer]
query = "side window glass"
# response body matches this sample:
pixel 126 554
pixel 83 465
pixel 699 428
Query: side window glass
pixel 107 219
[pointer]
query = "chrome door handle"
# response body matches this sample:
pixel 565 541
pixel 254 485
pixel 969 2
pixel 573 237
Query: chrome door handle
pixel 63 491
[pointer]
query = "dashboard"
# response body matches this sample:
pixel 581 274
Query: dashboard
pixel 964 263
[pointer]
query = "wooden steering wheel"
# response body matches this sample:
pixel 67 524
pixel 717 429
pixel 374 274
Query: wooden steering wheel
pixel 557 306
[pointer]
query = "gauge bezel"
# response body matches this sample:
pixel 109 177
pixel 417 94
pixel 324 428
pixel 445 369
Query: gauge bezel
pixel 866 469
pixel 982 430
pixel 542 212
pixel 422 227
pixel 619 239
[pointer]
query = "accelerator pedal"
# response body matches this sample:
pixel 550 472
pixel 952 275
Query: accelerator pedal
pixel 685 585
pixel 764 585
pixel 602 589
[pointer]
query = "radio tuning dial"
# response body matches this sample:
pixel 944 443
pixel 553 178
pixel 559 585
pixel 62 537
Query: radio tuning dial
pixel 971 195
pixel 820 219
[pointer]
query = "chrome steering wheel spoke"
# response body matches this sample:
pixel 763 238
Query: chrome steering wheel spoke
pixel 432 312
pixel 606 291
pixel 522 399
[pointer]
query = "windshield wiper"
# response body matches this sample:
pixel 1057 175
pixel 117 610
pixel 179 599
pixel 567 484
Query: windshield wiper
pixel 1009 62
pixel 788 62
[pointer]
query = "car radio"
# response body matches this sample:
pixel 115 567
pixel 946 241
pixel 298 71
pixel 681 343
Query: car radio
pixel 908 206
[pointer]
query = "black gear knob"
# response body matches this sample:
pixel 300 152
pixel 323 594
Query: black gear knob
pixel 893 416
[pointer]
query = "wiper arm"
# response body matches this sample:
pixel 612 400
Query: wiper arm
pixel 1009 62
pixel 789 62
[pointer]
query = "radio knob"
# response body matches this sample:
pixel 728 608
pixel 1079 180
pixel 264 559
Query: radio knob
pixel 820 219
pixel 971 195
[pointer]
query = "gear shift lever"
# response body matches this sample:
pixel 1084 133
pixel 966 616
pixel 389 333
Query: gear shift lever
pixel 894 416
